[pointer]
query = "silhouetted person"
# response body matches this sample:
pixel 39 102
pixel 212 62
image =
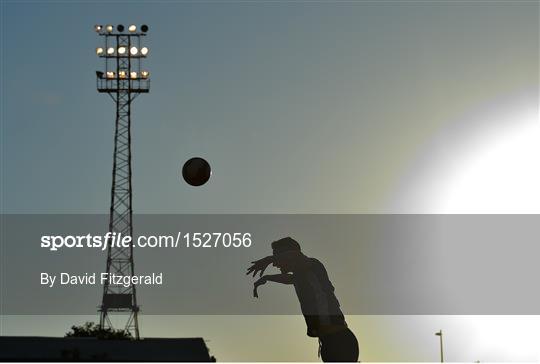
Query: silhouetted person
pixel 315 292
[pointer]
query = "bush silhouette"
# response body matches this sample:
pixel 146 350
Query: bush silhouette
pixel 91 329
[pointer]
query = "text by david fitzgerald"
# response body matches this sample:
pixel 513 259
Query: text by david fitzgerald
pixel 50 280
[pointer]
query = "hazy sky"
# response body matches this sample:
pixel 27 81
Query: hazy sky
pixel 298 106
pixel 311 107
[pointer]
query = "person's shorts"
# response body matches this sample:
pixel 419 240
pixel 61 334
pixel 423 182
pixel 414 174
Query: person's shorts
pixel 340 346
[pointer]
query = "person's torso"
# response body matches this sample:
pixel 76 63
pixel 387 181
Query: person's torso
pixel 318 302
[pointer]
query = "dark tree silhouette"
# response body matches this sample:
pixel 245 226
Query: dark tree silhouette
pixel 91 329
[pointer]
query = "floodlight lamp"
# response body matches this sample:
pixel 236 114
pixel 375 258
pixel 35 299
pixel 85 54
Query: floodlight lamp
pixel 133 75
pixel 99 51
pixel 110 74
pixel 120 28
pixel 98 28
pixel 145 74
pixel 109 28
pixel 121 50
pixel 144 28
pixel 144 51
pixel 110 50
pixel 122 74
pixel 132 28
pixel 133 51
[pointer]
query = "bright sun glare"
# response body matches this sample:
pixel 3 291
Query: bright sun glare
pixel 485 163
pixel 488 163
pixel 500 174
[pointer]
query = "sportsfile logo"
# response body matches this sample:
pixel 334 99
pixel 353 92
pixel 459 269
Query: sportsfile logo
pixel 119 240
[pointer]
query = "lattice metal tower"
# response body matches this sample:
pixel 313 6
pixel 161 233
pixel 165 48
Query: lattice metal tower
pixel 123 79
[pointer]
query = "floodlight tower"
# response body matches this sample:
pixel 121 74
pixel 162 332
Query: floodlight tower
pixel 123 79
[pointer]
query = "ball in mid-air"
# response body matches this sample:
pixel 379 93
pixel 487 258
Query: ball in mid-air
pixel 196 171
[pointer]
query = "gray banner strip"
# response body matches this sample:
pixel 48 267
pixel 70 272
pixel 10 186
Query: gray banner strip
pixel 379 264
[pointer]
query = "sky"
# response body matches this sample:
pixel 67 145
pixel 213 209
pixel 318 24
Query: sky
pixel 300 107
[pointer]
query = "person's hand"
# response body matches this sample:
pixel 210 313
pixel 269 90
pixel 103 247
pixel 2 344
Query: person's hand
pixel 256 285
pixel 259 266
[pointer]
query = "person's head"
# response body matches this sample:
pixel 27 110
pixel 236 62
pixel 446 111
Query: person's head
pixel 285 252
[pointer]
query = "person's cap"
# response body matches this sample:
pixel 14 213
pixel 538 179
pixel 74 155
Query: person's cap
pixel 284 245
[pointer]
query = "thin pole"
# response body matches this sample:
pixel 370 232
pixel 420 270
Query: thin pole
pixel 440 335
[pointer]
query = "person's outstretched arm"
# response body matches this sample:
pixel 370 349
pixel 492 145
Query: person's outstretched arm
pixel 283 278
pixel 260 265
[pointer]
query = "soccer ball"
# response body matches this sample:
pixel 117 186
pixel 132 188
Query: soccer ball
pixel 196 171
